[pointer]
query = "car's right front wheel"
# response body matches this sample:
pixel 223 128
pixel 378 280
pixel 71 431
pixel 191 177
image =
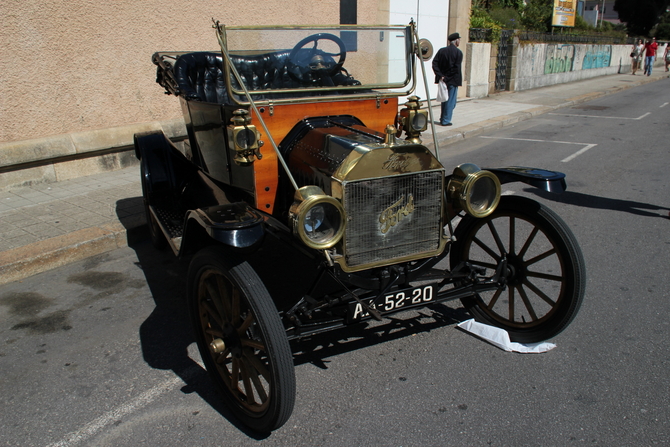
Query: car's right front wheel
pixel 241 339
pixel 542 268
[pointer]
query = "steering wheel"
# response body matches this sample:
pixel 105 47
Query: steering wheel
pixel 313 66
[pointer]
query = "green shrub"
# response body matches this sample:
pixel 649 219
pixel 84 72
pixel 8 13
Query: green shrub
pixel 480 18
pixel 662 31
pixel 536 15
pixel 509 18
pixel 581 24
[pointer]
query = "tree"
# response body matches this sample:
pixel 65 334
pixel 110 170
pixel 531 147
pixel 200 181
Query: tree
pixel 536 15
pixel 640 16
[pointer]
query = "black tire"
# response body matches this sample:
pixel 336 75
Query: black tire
pixel 241 340
pixel 157 237
pixel 545 278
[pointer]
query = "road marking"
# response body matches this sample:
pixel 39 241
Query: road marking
pixel 586 147
pixel 605 117
pixel 96 425
pixel 144 399
pixel 578 153
pixel 663 105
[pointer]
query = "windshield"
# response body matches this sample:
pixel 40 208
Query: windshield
pixel 320 60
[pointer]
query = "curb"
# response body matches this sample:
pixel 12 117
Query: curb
pixel 21 262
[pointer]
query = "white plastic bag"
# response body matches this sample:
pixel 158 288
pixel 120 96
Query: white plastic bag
pixel 442 92
pixel 500 338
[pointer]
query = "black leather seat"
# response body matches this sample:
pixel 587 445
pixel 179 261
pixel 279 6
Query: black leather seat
pixel 200 75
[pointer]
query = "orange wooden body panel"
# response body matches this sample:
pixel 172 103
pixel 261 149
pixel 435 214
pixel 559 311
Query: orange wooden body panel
pixel 286 116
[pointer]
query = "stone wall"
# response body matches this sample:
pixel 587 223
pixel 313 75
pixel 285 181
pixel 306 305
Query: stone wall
pixel 540 65
pixel 477 67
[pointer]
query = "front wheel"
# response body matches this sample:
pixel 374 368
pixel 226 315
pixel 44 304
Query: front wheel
pixel 544 278
pixel 241 339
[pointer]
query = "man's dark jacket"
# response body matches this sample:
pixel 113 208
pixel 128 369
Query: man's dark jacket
pixel 447 65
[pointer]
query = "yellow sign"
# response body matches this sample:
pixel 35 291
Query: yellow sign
pixel 564 13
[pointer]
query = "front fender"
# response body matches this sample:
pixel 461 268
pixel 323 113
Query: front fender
pixel 550 181
pixel 235 225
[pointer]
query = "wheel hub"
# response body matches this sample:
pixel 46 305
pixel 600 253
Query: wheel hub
pixel 231 340
pixel 516 270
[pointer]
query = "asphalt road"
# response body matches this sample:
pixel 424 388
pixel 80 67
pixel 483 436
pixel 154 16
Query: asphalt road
pixel 100 352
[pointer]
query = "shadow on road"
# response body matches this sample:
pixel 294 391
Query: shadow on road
pixel 166 334
pixel 317 348
pixel 604 203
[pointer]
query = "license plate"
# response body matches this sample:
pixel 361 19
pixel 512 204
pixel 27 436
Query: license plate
pixel 393 301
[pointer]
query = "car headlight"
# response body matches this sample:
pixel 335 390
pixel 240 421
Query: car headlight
pixel 317 219
pixel 419 120
pixel 476 191
pixel 412 119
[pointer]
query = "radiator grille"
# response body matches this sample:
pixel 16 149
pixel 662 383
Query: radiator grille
pixel 412 202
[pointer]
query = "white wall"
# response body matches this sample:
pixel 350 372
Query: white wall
pixel 431 17
pixel 540 65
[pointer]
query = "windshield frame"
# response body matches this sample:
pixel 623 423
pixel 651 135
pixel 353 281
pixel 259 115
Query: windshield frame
pixel 320 93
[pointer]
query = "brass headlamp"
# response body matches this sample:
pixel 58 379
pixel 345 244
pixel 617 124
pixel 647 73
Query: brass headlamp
pixel 245 138
pixel 412 119
pixel 474 190
pixel 317 219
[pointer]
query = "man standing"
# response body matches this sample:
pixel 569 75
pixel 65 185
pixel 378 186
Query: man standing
pixel 649 55
pixel 447 68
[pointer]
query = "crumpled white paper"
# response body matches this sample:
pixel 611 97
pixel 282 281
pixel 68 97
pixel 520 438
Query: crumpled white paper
pixel 500 338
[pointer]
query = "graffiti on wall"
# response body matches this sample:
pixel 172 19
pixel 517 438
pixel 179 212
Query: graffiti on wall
pixel 597 56
pixel 559 58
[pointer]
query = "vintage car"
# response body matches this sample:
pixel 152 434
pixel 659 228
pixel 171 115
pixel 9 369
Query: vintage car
pixel 297 144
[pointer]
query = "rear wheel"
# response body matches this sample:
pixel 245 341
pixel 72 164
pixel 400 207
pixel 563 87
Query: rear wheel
pixel 241 340
pixel 157 237
pixel 544 278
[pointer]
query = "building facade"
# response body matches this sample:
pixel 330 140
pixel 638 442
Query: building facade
pixel 77 76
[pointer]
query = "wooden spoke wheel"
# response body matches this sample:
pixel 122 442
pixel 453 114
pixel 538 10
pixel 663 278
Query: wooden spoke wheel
pixel 241 340
pixel 544 275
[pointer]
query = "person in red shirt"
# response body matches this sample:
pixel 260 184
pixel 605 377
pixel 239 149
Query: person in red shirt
pixel 649 56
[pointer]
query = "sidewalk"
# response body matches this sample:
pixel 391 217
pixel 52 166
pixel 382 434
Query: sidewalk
pixel 49 225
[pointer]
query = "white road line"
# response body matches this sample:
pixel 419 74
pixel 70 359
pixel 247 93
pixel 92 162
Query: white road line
pixel 605 117
pixel 663 105
pixel 144 399
pixel 586 147
pixel 536 141
pixel 96 425
pixel 578 153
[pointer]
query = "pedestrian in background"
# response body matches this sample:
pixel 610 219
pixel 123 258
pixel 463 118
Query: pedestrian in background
pixel 636 54
pixel 649 55
pixel 666 56
pixel 448 76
